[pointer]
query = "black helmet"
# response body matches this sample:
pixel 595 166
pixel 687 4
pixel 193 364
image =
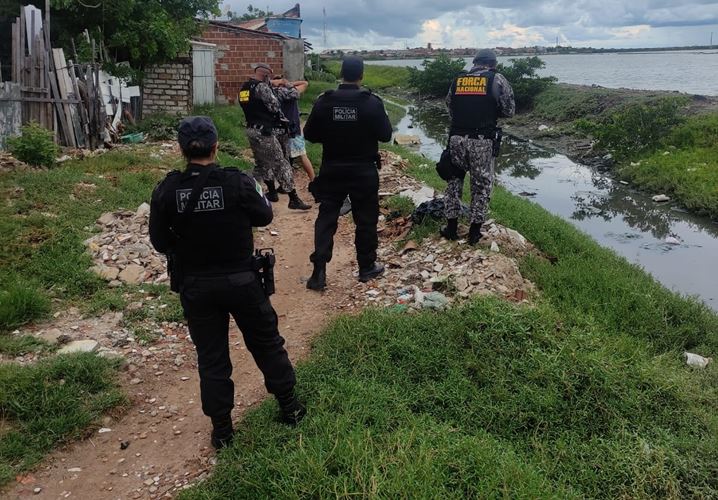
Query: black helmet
pixel 486 57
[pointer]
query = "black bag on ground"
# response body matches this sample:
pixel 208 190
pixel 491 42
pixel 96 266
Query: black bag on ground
pixel 446 169
pixel 434 209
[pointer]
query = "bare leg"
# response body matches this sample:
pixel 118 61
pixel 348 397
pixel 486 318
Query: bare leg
pixel 307 166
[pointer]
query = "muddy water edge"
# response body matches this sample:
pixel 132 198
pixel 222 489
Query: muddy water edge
pixel 677 248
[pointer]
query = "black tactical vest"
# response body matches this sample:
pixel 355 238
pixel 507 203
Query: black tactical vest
pixel 474 107
pixel 254 109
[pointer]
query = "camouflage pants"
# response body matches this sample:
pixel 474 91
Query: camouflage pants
pixel 271 163
pixel 475 157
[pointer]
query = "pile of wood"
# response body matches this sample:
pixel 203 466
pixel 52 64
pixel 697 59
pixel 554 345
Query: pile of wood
pixel 55 92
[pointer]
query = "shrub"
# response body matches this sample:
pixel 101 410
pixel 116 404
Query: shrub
pixel 36 146
pixel 635 129
pixel 436 77
pixel 20 304
pixel 160 127
pixel 521 74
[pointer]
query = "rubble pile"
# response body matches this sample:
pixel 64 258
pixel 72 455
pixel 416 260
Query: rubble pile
pixel 9 163
pixel 122 252
pixel 436 273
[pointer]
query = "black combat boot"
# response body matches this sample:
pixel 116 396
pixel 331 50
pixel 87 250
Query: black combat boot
pixel 370 272
pixel 296 203
pixel 222 431
pixel 450 230
pixel 272 192
pixel 475 233
pixel 291 410
pixel 318 279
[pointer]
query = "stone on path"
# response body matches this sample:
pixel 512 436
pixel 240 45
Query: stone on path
pixel 660 198
pixel 54 336
pixel 132 274
pixel 79 346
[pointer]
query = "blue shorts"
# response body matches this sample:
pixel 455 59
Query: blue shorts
pixel 297 146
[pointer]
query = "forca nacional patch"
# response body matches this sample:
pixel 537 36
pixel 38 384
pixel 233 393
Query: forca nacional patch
pixel 244 96
pixel 212 198
pixel 345 114
pixel 471 85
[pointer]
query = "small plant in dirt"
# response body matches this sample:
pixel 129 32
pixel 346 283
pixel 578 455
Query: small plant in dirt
pixel 20 304
pixel 36 146
pixel 399 206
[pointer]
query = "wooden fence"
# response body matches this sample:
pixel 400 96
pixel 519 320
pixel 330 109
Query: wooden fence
pixel 54 92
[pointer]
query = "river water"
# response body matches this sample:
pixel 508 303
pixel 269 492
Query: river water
pixel 677 248
pixel 692 72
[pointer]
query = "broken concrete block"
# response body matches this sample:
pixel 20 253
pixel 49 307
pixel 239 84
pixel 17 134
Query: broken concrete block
pixel 132 274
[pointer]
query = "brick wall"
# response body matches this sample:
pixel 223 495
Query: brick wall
pixel 237 51
pixel 167 88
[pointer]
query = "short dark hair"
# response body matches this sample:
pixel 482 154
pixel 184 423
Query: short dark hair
pixel 352 69
pixel 197 150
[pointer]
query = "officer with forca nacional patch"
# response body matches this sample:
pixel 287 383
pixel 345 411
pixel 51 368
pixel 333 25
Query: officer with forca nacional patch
pixel 476 101
pixel 202 218
pixel 265 123
pixel 348 122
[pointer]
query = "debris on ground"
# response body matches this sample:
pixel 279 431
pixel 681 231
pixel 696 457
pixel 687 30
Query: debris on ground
pixel 122 252
pixel 661 198
pixel 407 140
pixel 433 273
pixel 696 360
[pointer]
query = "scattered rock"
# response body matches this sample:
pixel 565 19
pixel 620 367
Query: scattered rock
pixel 542 127
pixel 671 240
pixel 74 469
pixel 133 274
pixel 661 198
pixel 495 247
pixel 37 490
pixel 80 346
pixel 104 430
pixel 54 337
pixel 124 445
pixel 136 381
pixel 696 360
pixel 143 210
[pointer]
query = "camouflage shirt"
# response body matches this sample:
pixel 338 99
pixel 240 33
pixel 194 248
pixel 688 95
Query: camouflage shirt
pixel 286 93
pixel 501 89
pixel 265 94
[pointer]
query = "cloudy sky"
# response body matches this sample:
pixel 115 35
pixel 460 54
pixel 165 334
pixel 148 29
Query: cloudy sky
pixel 369 24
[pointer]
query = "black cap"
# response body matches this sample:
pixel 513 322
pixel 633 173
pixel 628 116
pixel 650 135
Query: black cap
pixel 197 128
pixel 352 69
pixel 485 57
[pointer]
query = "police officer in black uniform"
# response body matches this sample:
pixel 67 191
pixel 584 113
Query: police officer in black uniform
pixel 348 122
pixel 202 218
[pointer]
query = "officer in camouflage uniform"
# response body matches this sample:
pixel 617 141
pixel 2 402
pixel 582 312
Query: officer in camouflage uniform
pixel 476 100
pixel 265 125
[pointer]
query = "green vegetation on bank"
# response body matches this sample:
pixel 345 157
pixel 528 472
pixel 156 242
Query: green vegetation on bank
pixel 50 402
pixel 657 143
pixel 583 394
pixel 376 77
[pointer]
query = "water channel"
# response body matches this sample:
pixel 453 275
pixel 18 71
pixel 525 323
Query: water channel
pixel 680 250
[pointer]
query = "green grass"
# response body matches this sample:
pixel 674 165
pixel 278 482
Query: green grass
pixel 47 217
pixel 583 395
pixel 48 403
pixel 686 168
pixel 483 401
pixel 377 77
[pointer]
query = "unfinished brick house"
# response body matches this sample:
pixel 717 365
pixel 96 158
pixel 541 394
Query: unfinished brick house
pixel 239 49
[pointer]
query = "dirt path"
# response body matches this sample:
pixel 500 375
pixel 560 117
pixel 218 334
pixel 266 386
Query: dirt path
pixel 167 433
pixel 161 443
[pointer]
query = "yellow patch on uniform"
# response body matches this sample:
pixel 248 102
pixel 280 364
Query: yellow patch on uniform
pixel 244 96
pixel 471 85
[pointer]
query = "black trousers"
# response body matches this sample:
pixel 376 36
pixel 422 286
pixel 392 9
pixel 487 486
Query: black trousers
pixel 208 302
pixel 332 185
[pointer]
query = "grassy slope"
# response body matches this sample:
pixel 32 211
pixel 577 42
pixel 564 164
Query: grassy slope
pixel 584 394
